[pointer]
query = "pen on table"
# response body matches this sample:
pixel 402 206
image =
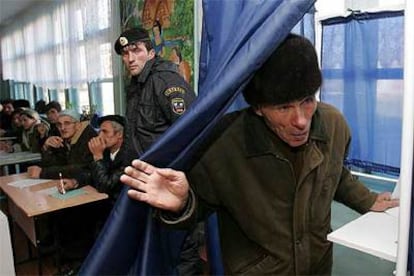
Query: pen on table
pixel 62 184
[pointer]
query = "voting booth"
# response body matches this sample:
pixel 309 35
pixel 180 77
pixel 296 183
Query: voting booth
pixel 6 252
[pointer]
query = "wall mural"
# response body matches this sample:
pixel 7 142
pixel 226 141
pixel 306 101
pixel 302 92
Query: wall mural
pixel 170 24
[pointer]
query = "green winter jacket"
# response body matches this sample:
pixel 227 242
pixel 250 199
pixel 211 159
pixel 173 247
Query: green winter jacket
pixel 270 221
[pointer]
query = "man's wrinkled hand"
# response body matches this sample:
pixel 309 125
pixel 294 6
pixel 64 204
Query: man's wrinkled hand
pixel 383 202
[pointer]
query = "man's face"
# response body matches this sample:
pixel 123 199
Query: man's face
pixel 27 122
pixel 67 126
pixel 16 121
pixel 110 136
pixel 135 56
pixel 52 115
pixel 291 122
pixel 8 109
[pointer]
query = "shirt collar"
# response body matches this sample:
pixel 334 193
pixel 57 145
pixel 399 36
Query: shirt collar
pixel 112 155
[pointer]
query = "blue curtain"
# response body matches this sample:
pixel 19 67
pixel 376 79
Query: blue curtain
pixel 238 36
pixel 362 66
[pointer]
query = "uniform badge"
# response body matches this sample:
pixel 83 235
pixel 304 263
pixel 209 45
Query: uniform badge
pixel 123 41
pixel 174 89
pixel 178 105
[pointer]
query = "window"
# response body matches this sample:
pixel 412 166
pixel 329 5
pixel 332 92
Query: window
pixel 362 66
pixel 62 47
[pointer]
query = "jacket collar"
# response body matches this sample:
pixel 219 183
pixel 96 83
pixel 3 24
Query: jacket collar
pixel 142 77
pixel 154 65
pixel 260 139
pixel 78 133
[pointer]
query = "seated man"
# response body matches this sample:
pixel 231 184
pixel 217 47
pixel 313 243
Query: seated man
pixel 52 111
pixel 35 130
pixel 107 168
pixel 68 153
pixel 105 172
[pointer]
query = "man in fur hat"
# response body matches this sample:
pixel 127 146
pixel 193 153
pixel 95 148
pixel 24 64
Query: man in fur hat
pixel 277 164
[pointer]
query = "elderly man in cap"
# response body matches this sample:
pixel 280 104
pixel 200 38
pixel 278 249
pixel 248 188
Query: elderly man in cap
pixel 270 171
pixel 67 154
pixel 157 96
pixel 107 165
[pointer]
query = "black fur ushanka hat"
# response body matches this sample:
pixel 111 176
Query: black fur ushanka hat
pixel 291 73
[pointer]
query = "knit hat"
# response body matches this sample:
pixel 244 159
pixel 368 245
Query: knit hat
pixel 291 73
pixel 30 113
pixel 130 36
pixel 71 113
pixel 114 118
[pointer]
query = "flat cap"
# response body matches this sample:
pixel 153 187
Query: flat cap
pixel 114 118
pixel 71 113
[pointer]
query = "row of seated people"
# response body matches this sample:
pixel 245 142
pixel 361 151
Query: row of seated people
pixel 72 148
pixel 26 126
pixel 82 156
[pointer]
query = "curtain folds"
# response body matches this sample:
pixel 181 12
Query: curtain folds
pixel 362 66
pixel 238 36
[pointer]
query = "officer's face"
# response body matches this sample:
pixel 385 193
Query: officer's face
pixel 135 56
pixel 291 122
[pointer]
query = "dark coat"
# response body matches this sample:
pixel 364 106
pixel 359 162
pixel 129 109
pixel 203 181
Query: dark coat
pixel 157 97
pixel 106 174
pixel 71 160
pixel 270 220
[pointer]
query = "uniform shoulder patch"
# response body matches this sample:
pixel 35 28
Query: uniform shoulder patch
pixel 174 89
pixel 178 105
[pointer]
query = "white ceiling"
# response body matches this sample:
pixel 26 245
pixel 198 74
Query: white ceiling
pixel 11 8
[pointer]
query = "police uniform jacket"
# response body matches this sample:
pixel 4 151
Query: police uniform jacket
pixel 72 159
pixel 157 97
pixel 271 219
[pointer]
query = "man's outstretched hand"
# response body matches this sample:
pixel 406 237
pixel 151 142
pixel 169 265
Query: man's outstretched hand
pixel 162 188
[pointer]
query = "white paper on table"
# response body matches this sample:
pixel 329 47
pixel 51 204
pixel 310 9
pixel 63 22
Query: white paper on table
pixel 49 191
pixel 27 182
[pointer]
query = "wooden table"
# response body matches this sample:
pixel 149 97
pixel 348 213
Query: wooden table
pixel 26 204
pixel 7 138
pixel 16 158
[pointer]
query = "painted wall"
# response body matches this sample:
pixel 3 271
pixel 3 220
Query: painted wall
pixel 171 26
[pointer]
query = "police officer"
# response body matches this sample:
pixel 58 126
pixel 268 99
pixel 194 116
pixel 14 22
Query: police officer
pixel 157 94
